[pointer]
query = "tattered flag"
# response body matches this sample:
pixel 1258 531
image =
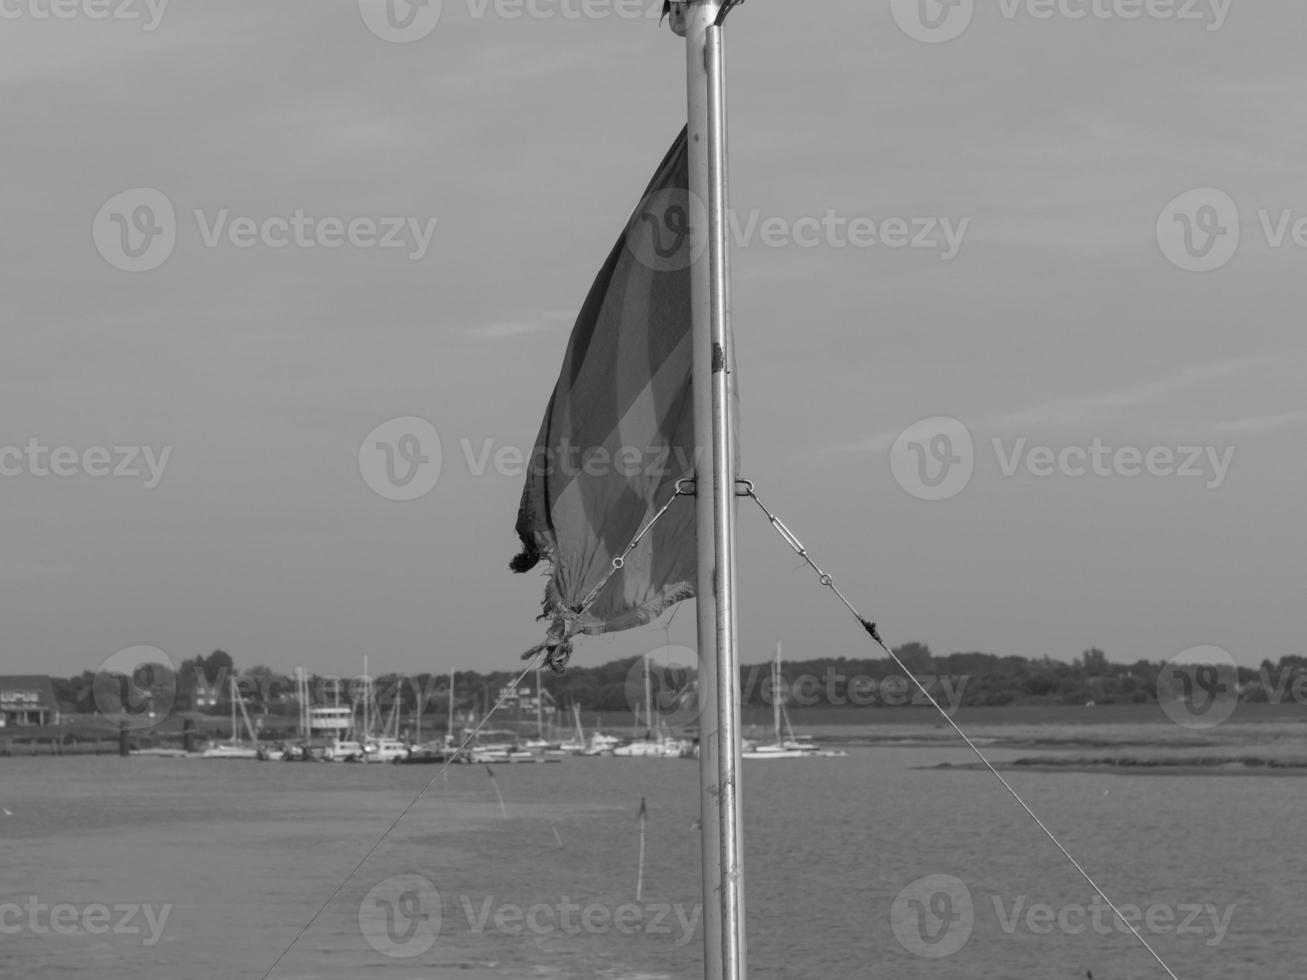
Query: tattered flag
pixel 618 433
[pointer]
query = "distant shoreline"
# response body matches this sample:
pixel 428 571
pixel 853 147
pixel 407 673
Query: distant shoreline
pixel 1020 714
pixel 1132 766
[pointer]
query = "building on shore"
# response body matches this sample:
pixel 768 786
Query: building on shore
pixel 27 700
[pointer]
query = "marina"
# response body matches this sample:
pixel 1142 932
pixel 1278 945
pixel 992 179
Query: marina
pixel 673 490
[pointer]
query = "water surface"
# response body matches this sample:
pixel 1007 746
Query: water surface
pixel 243 854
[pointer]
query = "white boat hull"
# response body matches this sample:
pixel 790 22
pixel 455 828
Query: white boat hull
pixel 774 752
pixel 230 752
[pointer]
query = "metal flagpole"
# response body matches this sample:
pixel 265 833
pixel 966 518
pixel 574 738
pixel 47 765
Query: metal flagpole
pixel 719 729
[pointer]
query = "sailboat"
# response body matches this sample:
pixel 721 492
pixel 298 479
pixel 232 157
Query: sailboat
pixel 805 743
pixel 236 748
pixel 539 743
pixel 574 745
pixel 779 748
pixel 655 744
pixel 388 746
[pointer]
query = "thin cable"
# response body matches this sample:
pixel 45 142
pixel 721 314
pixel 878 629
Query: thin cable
pixel 395 823
pixel 826 580
pixel 618 562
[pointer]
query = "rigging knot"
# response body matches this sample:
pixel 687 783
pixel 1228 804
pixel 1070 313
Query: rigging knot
pixel 557 646
pixel 871 629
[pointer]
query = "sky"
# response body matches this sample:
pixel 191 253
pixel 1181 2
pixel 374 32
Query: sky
pixel 233 379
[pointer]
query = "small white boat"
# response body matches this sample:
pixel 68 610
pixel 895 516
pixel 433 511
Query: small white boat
pixel 563 749
pixel 386 750
pixel 501 753
pixel 235 749
pixel 601 744
pixel 643 748
pixel 230 750
pixel 344 751
pixel 773 751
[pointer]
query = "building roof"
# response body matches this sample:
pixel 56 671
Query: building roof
pixel 27 692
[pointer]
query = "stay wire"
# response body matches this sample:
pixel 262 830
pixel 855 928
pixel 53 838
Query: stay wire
pixel 467 740
pixel 829 582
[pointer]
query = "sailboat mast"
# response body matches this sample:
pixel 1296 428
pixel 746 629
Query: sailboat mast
pixel 713 384
pixel 776 693
pixel 648 700
pixel 449 732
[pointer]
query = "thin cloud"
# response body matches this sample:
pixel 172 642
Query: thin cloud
pixel 513 329
pixel 1262 423
pixel 1087 410
pixel 1110 405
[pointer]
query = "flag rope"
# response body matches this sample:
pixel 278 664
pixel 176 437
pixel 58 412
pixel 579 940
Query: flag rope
pixel 829 582
pixel 467 740
pixel 540 656
pixel 684 488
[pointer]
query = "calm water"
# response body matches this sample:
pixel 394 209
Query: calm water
pixel 241 854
